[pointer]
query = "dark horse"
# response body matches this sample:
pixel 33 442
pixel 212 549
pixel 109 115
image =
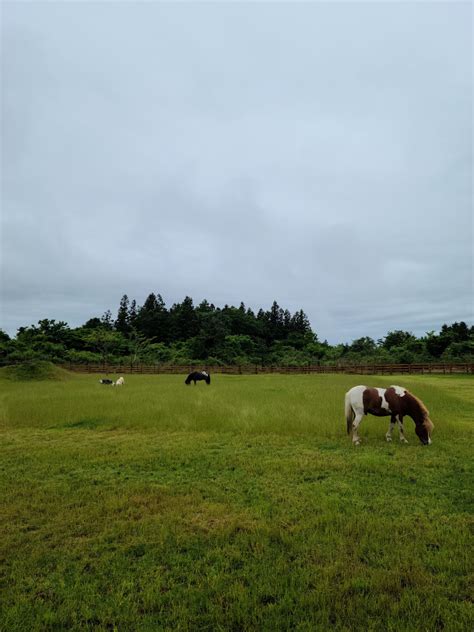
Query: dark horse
pixel 394 402
pixel 106 381
pixel 197 376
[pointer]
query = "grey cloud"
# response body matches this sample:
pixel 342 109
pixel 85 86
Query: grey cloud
pixel 318 155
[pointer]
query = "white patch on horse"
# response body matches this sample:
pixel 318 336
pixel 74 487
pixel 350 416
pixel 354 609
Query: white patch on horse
pixel 399 390
pixel 354 408
pixel 384 404
pixel 356 394
pixel 204 373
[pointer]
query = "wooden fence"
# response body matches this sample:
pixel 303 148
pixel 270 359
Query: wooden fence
pixel 362 369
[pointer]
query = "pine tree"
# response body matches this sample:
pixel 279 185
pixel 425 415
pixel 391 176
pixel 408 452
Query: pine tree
pixel 205 307
pixel 106 320
pixel 122 322
pixel 132 313
pixel 150 304
pixel 276 322
pixel 153 319
pixel 300 322
pixel 287 321
pixel 184 320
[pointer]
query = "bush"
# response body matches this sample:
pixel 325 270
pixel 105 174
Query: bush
pixel 34 370
pixel 83 357
pixel 459 352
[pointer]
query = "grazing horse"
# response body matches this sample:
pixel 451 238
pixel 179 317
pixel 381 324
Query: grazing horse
pixel 105 381
pixel 119 382
pixel 394 401
pixel 196 376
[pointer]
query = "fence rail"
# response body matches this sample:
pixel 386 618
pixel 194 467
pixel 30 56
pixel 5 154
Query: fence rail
pixel 362 369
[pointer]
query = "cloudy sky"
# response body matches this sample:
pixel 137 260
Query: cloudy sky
pixel 317 154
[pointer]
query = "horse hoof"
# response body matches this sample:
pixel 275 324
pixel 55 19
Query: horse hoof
pixel 356 442
pixel 389 439
pixel 403 441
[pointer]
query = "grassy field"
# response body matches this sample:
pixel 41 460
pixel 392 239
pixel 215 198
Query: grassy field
pixel 239 506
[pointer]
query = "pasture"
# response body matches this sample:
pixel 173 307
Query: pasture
pixel 236 506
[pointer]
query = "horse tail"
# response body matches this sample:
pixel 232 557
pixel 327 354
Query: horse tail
pixel 349 413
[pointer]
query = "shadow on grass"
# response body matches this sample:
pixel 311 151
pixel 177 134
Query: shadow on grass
pixel 87 423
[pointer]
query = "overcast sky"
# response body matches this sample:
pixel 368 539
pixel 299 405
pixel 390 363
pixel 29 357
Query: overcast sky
pixel 316 154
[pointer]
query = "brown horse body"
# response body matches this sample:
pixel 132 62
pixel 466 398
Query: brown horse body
pixel 395 402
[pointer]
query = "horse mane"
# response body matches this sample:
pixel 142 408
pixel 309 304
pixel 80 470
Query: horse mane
pixel 423 408
pixel 424 411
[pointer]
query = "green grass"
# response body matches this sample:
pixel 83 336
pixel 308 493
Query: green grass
pixel 239 506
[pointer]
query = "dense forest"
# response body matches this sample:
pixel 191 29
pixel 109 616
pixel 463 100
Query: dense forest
pixel 185 334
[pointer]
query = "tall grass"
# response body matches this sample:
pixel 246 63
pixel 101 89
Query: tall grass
pixel 276 404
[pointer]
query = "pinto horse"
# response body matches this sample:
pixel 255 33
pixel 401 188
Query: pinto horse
pixel 395 402
pixel 197 376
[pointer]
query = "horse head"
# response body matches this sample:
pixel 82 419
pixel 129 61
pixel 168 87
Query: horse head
pixel 424 429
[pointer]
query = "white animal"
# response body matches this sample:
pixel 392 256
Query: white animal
pixel 119 382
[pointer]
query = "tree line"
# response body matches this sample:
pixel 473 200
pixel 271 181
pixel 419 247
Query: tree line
pixel 189 334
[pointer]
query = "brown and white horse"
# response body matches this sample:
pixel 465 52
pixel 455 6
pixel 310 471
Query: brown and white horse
pixel 395 402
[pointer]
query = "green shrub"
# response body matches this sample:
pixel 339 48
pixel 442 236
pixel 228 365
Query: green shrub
pixel 34 370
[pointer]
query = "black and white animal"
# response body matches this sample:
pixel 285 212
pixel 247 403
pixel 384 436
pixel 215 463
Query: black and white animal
pixel 105 381
pixel 394 402
pixel 197 376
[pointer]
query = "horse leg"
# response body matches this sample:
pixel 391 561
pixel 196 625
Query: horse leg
pixel 355 425
pixel 400 428
pixel 388 435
